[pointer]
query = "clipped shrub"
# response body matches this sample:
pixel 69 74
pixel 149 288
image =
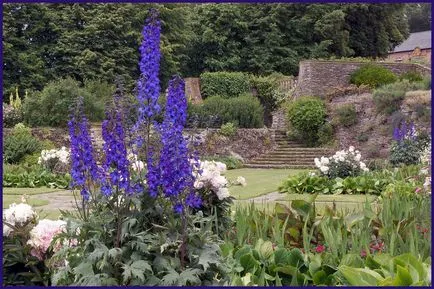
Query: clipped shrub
pixel 19 144
pixel 372 75
pixel 51 106
pixel 347 115
pixel 325 134
pixel 224 84
pixel 228 129
pixel 411 76
pixel 244 111
pixel 363 137
pixel 307 115
pixel 388 98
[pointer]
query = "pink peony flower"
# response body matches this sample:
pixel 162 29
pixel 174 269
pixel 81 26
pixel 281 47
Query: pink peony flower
pixel 42 235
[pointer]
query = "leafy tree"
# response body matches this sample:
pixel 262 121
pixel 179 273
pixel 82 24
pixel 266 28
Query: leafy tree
pixel 419 16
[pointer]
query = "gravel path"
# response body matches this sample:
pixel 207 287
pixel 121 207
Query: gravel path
pixel 58 200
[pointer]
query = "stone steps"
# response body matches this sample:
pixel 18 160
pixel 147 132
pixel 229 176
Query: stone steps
pixel 288 154
pixel 274 166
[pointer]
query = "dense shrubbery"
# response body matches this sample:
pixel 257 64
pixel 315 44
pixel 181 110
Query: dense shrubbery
pixel 228 129
pixel 388 98
pixel 224 84
pixel 52 105
pixel 373 75
pixel 306 116
pixel 19 144
pixel 244 111
pixel 346 115
pixel 411 76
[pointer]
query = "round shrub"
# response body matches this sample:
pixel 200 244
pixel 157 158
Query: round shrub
pixel 372 75
pixel 325 134
pixel 11 115
pixel 51 106
pixel 228 129
pixel 411 76
pixel 347 115
pixel 388 98
pixel 307 115
pixel 19 144
pixel 244 111
pixel 224 84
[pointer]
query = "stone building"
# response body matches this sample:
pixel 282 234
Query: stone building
pixel 416 48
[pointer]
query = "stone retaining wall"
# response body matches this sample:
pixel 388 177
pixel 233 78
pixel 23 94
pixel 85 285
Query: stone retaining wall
pixel 318 78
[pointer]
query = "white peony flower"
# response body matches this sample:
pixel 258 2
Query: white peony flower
pixel 324 169
pixel 241 181
pixel 17 215
pixel 219 181
pixel 325 161
pixel 223 193
pixel 357 157
pixel 351 149
pixel 317 162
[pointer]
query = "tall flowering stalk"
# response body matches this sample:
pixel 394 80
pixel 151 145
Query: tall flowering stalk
pixel 404 132
pixel 84 169
pixel 176 172
pixel 148 86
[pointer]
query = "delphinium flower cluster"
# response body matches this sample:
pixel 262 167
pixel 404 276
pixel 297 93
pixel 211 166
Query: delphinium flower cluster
pixel 50 159
pixel 83 164
pixel 342 164
pixel 408 144
pixel 148 85
pixel 175 170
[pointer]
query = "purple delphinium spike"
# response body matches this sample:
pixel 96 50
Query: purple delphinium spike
pixel 148 86
pixel 116 165
pixel 176 174
pixel 83 164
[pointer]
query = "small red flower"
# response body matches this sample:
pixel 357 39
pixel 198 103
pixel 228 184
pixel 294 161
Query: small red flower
pixel 418 190
pixel 320 248
pixel 363 253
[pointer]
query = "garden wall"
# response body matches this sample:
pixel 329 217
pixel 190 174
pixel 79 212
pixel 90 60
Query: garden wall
pixel 245 144
pixel 319 78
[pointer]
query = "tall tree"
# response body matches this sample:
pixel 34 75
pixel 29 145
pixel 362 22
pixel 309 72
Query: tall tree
pixel 419 16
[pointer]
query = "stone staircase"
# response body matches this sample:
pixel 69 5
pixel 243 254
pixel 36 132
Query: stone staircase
pixel 288 155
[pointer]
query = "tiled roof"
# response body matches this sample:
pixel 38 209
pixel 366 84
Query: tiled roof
pixel 417 39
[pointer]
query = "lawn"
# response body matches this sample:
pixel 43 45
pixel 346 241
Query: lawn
pixel 34 202
pixel 28 191
pixel 259 181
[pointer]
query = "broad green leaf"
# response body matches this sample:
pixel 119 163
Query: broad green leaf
pixel 208 255
pixel 266 249
pixel 352 260
pixel 249 263
pixel 301 207
pixel 319 278
pixel 84 269
pixel 402 277
pixel 360 276
pixel 281 256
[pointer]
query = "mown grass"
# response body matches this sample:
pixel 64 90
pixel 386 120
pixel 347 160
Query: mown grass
pixel 259 181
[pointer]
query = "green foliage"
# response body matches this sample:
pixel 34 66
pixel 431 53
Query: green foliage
pixel 402 270
pixel 372 75
pixel 374 182
pixel 224 84
pixel 11 115
pixel 51 106
pixel 363 137
pixel 307 115
pixel 407 152
pixel 142 249
pixel 228 129
pixel 411 76
pixel 244 111
pixel 19 144
pixel 34 177
pixel 307 183
pixel 388 98
pixel 325 134
pixel 347 115
pixel 20 268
